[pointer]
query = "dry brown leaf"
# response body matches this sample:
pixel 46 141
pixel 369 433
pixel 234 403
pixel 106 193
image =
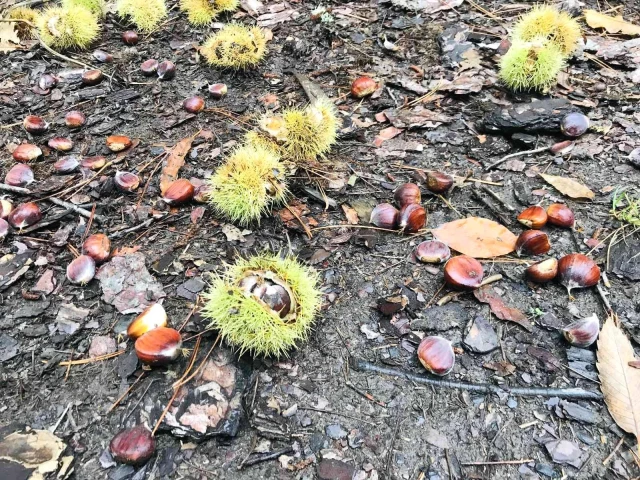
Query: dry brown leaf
pixel 9 39
pixel 620 383
pixel 488 295
pixel 569 187
pixel 351 214
pixel 174 163
pixel 477 237
pixel 610 24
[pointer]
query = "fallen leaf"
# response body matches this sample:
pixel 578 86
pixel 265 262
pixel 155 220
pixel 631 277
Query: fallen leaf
pixel 351 214
pixel 37 451
pixel 488 295
pixel 233 233
pixel 610 24
pixel 620 383
pixel 477 237
pixel 174 162
pixel 9 39
pixel 386 134
pixel 502 368
pixel 122 251
pixel 569 187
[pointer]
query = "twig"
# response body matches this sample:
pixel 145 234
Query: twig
pixel 55 427
pixel 264 457
pixel 138 402
pixel 497 198
pixel 135 228
pixel 605 300
pixel 91 360
pixel 124 395
pixel 517 154
pixel 610 456
pixel 574 393
pixel 388 461
pixel 366 395
pixel 498 462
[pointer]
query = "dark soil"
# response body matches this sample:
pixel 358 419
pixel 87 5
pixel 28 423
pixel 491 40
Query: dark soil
pixel 383 427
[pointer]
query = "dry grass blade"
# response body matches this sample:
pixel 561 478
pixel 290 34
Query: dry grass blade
pixel 620 382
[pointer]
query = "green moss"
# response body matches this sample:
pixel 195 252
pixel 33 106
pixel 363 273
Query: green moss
pixel 250 326
pixel 531 65
pixel 144 14
pixel 68 27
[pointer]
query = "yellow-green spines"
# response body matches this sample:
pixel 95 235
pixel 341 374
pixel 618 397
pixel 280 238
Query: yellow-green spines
pixel 248 184
pixel 546 21
pixel 199 12
pixel 251 326
pixel 235 46
pixel 97 7
pixel 531 65
pixel 24 31
pixel 144 14
pixel 299 135
pixel 68 27
pixel 227 5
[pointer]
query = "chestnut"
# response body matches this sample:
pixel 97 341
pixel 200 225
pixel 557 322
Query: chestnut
pixel 75 119
pixel 20 175
pixel 166 70
pixel 463 273
pixel 93 163
pixel 133 446
pixel 151 318
pixel 180 191
pixel 4 229
pixel 562 147
pixel 363 86
pixel 118 143
pixel 202 193
pixel 217 90
pixel 582 333
pixel 98 247
pixel 126 181
pixel 577 271
pixel 47 81
pixel 35 125
pixel 61 144
pixel 193 104
pixel 92 77
pixel 384 215
pixel 574 124
pixel 412 218
pixel 433 251
pixel 560 215
pixel 407 194
pixel 5 208
pixel 534 242
pixel 543 271
pixel 159 346
pixel 439 182
pixel 25 152
pixel 81 270
pixel 67 164
pixel 436 355
pixel 102 56
pixel 25 215
pixel 149 67
pixel 130 37
pixel 533 217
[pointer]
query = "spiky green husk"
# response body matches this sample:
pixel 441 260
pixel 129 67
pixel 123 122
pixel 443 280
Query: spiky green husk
pixel 97 7
pixel 68 27
pixel 545 21
pixel 531 65
pixel 248 184
pixel 301 135
pixel 199 12
pixel 24 31
pixel 144 14
pixel 235 46
pixel 227 5
pixel 252 327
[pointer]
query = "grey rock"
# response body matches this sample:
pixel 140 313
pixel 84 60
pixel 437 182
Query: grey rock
pixel 8 348
pixel 564 451
pixel 440 318
pixel 481 337
pixel 578 412
pixel 336 432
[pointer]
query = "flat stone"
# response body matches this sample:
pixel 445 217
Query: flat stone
pixel 331 469
pixel 578 412
pixel 8 348
pixel 440 318
pixel 564 451
pixel 436 438
pixel 336 432
pixel 481 337
pixel 624 259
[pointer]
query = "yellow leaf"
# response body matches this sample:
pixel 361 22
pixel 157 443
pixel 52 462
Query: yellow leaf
pixel 569 187
pixel 174 162
pixel 9 39
pixel 477 237
pixel 620 383
pixel 610 24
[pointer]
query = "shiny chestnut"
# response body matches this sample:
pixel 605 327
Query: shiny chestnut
pixel 152 317
pixel 180 191
pixel 574 124
pixel 577 271
pixel 98 247
pixel 61 144
pixel 93 163
pixel 582 333
pixel 560 215
pixel 463 273
pixel 81 270
pixel 25 215
pixel 25 152
pixel 133 446
pixel 433 251
pixel 67 164
pixel 217 90
pixel 193 104
pixel 543 271
pixel 118 143
pixel 126 181
pixel 92 77
pixel 149 67
pixel 439 182
pixel 412 218
pixel 406 194
pixel 384 215
pixel 533 242
pixel 35 125
pixel 436 355
pixel 363 86
pixel 20 175
pixel 75 119
pixel 130 37
pixel 533 217
pixel 166 70
pixel 159 346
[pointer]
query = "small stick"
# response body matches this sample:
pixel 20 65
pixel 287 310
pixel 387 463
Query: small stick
pixel 264 457
pixel 304 225
pixel 333 412
pixel 574 393
pixel 610 456
pixel 55 427
pixel 604 298
pixel 138 402
pixel 123 396
pixel 366 395
pixel 498 462
pixel 517 154
pixel 91 360
pixel 497 198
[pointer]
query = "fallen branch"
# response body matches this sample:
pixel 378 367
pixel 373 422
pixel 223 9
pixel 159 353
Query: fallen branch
pixel 573 393
pixel 498 462
pixel 264 457
pixel 517 154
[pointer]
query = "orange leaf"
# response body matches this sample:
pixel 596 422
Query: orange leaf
pixel 351 214
pixel 477 237
pixel 174 163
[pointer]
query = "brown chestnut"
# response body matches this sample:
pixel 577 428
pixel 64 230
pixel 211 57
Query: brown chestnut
pixel 407 194
pixel 543 271
pixel 582 333
pixel 25 215
pixel 193 104
pixel 118 143
pixel 384 215
pixel 166 70
pixel 94 163
pixel 81 270
pixel 577 271
pixel 92 77
pixel 133 446
pixel 130 37
pixel 180 191
pixel 533 242
pixel 217 90
pixel 75 119
pixel 574 124
pixel 35 125
pixel 159 346
pixel 97 246
pixel 363 86
pixel 412 218
pixel 126 181
pixel 439 182
pixel 4 229
pixel 149 67
pixel 533 217
pixel 61 144
pixel 67 164
pixel 25 152
pixel 20 175
pixel 47 81
pixel 560 215
pixel 463 273
pixel 5 208
pixel 436 355
pixel 433 251
pixel 151 318
pixel 102 56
